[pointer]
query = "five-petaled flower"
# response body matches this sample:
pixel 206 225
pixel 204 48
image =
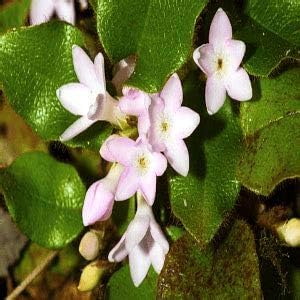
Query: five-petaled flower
pixel 170 123
pixel 220 60
pixel 42 10
pixel 143 242
pixel 88 98
pixel 141 166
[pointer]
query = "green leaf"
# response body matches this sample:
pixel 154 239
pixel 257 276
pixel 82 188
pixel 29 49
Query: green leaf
pixel 271 129
pixel 159 32
pixel 230 271
pixel 13 14
pixel 270 35
pixel 120 286
pixel 45 198
pixel 203 198
pixel 34 62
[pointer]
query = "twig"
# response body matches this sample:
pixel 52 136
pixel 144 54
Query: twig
pixel 22 286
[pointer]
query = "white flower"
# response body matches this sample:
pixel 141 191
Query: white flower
pixel 143 242
pixel 220 60
pixel 88 98
pixel 42 10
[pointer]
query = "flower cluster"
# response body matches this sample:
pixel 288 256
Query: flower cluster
pixel 162 124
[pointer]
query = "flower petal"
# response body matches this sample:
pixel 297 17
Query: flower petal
pixel 238 85
pixel 178 156
pixel 204 56
pixel 104 152
pixel 143 124
pixel 128 185
pixel 136 231
pixel 236 51
pixel 159 163
pixel 159 236
pixel 100 73
pixel 122 149
pixel 98 203
pixel 172 93
pixel 215 94
pixel 76 128
pixel 148 187
pixel 220 28
pixel 119 252
pixel 65 10
pixel 186 121
pixel 139 263
pixel 85 69
pixel 41 11
pixel 157 257
pixel 76 98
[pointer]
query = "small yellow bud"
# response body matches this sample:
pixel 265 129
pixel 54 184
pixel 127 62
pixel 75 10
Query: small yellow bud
pixel 90 277
pixel 89 245
pixel 289 232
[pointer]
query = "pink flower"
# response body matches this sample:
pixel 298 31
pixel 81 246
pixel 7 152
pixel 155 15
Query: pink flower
pixel 88 98
pixel 143 242
pixel 136 103
pixel 141 166
pixel 42 10
pixel 99 199
pixel 171 123
pixel 220 60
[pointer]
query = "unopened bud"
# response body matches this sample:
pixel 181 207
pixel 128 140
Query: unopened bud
pixel 90 277
pixel 89 245
pixel 289 232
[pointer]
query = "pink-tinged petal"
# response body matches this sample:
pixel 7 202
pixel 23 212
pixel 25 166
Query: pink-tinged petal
pixel 65 10
pixel 215 94
pixel 204 56
pixel 220 28
pixel 139 263
pixel 186 121
pixel 148 187
pixel 104 152
pixel 76 98
pixel 119 252
pixel 100 73
pixel 41 11
pixel 238 85
pixel 136 231
pixel 85 69
pixel 235 51
pixel 123 71
pixel 178 156
pixel 157 257
pixel 159 236
pixel 122 149
pixel 76 128
pixel 128 184
pixel 143 124
pixel 159 163
pixel 98 203
pixel 134 102
pixel 172 93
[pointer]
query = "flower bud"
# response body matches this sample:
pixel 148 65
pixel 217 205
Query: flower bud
pixel 89 245
pixel 90 277
pixel 290 232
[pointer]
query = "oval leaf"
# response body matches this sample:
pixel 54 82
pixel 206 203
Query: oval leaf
pixel 45 198
pixel 271 128
pixel 159 32
pixel 229 272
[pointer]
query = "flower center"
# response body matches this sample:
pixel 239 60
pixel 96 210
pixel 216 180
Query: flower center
pixel 220 64
pixel 142 163
pixel 164 126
